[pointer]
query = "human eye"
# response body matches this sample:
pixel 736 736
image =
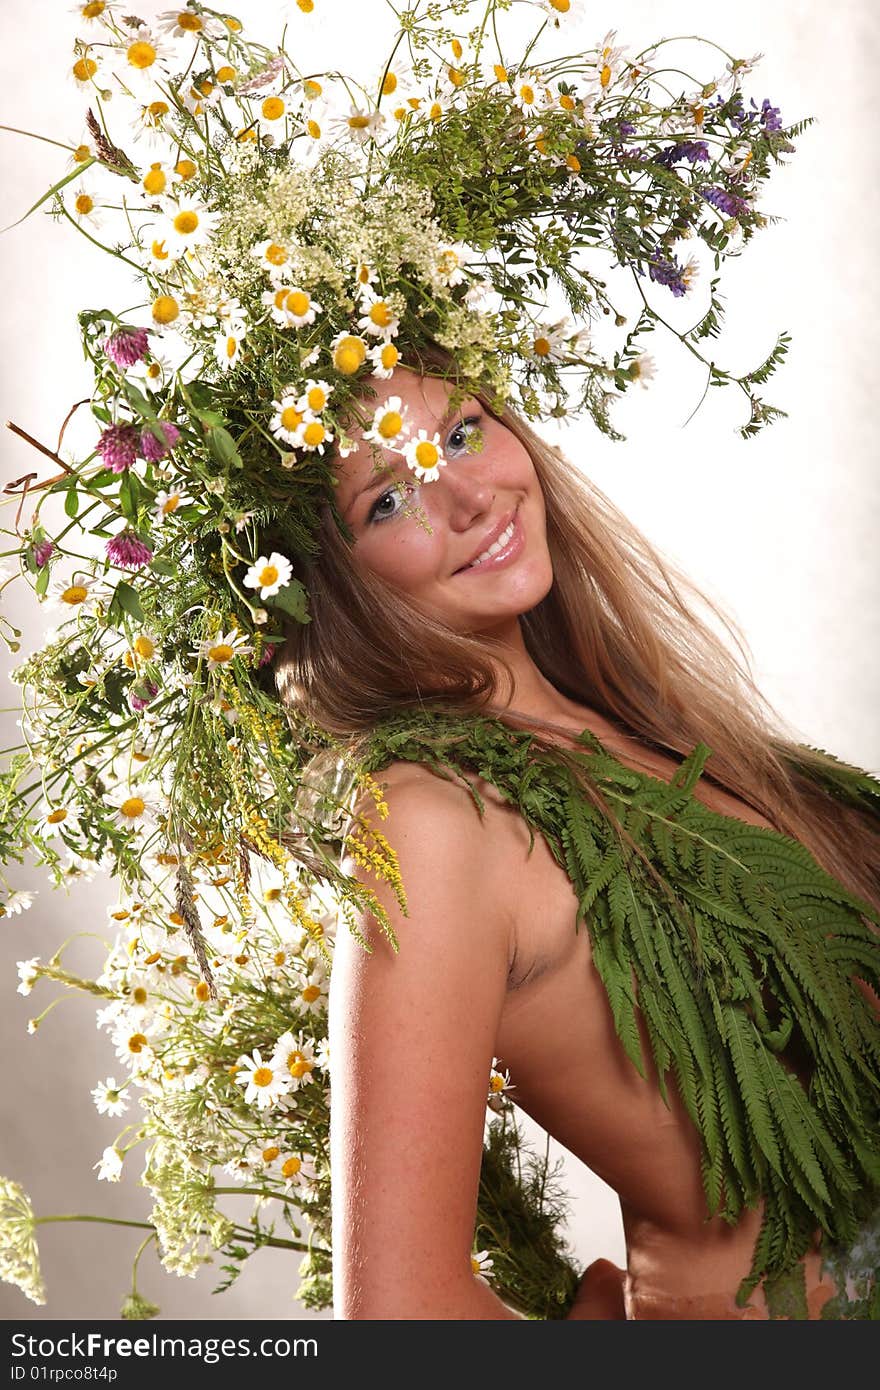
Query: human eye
pixel 461 431
pixel 375 514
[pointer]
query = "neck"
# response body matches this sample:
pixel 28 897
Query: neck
pixel 532 694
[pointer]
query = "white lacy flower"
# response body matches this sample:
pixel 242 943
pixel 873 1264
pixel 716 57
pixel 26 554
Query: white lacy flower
pixel 28 974
pixel 109 1165
pixel 18 901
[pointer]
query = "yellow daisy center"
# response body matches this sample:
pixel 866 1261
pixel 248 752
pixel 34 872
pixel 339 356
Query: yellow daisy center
pixel 542 347
pixel 605 76
pixel 298 303
pixel 226 73
pixel 435 111
pixel 316 397
pixel 298 1064
pixel 390 424
pixel 152 958
pixel 262 1076
pixel 496 1083
pixel 75 593
pixel 475 1264
pixel 232 24
pixel 389 356
pixel 305 5
pixel 144 646
pixel 155 181
pixel 311 993
pixel 527 94
pixel 57 816
pixel 132 807
pixel 171 504
pixel 84 204
pixel 456 47
pixel 311 88
pixel 159 252
pixel 165 308
pixel 202 992
pixel 222 652
pixel 573 163
pixel 291 418
pixel 185 169
pixel 137 1042
pixel 314 433
pixel 381 313
pixel 358 122
pixel 157 109
pixel 84 68
pixel 185 223
pixel 456 76
pixel 566 102
pixel 81 154
pixel 231 348
pixel 139 995
pixel 427 453
pixel 389 85
pixel 141 54
pixel 191 22
pixel 268 575
pixel 500 72
pixel 272 895
pixel 349 354
pixel 562 6
pixel 313 129
pixel 290 1167
pixel 93 9
pixel 275 254
pixel 271 1153
pixel 272 108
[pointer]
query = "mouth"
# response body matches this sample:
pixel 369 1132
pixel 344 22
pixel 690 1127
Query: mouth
pixel 509 550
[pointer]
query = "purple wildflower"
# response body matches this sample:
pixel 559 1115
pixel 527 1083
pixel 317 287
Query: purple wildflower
pixel 128 346
pixel 626 129
pixel 770 118
pixel 267 655
pixel 694 151
pixel 142 694
pixel 128 551
pixel 728 203
pixel 41 550
pixel 669 273
pixel 118 447
pixel 152 448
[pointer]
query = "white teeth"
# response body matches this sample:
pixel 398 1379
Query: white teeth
pixel 495 547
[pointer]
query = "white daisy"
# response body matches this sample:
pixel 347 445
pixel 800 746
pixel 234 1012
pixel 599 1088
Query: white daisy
pixel 143 61
pixel 643 369
pixel 56 817
pixel 449 269
pixel 227 346
pixel 264 1082
pixel 609 62
pixel 312 996
pixel 73 594
pixel 322 1055
pixel 301 307
pixel 109 1097
pixel 132 1046
pixel 275 259
pixel 297 1171
pixel 389 426
pixel 109 1165
pixel 359 124
pixel 93 12
pixel 185 24
pixel 424 456
pixel 294 1058
pixel 272 114
pixel 28 974
pixel 499 1080
pixel 222 648
pixel 187 223
pixel 528 95
pixel 313 435
pixel 481 1262
pixel 564 11
pixel 378 319
pixel 153 126
pixel 315 396
pixel 287 418
pixel 85 208
pixel 269 575
pixel 384 357
pixel 85 69
pixel 78 869
pixel 200 96
pixel 548 343
pixel 18 901
pixel 161 254
pixel 137 807
pixel 167 503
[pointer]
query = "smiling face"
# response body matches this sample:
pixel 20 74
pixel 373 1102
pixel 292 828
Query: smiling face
pixel 420 537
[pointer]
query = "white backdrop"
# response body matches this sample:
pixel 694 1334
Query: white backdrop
pixel 779 529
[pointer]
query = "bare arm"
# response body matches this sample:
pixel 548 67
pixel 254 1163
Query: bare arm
pixel 412 1036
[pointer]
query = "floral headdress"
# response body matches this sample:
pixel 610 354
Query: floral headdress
pixel 294 236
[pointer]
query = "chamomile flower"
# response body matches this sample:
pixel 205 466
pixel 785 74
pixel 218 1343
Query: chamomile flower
pixel 301 308
pixel 132 1046
pixel 287 418
pixel 313 435
pixel 269 575
pixel 227 346
pixel 85 68
pixel 154 372
pixel 275 259
pixel 379 318
pixel 222 649
pixel 424 457
pixel 56 817
pixel 264 1082
pixel 93 13
pixel 161 255
pixel 395 80
pixel 642 369
pixel 294 1059
pixel 529 95
pixel 186 25
pixel 136 807
pixel 384 357
pixel 499 1080
pixel 272 115
pixel 359 124
pixel 108 1097
pixel 84 206
pixel 563 11
pixel 18 901
pixel 315 396
pixel 144 60
pixel 548 343
pixel 389 424
pixel 297 1172
pixel 609 62
pixel 153 125
pixel 188 223
pixel 450 263
pixel 109 1165
pixel 312 995
pixel 28 974
pixel 481 1262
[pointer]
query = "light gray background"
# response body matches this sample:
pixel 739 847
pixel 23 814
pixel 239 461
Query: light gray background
pixel 780 529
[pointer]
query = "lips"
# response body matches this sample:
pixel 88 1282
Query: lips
pixel 490 538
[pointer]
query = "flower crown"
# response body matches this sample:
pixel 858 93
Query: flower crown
pixel 295 236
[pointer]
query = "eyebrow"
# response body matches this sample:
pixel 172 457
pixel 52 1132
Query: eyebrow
pixel 384 477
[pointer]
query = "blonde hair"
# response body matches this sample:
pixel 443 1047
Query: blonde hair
pixel 618 631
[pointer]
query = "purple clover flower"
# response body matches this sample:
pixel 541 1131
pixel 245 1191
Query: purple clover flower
pixel 728 203
pixel 128 551
pixel 128 346
pixel 41 550
pixel 152 448
pixel 670 274
pixel 140 701
pixel 118 447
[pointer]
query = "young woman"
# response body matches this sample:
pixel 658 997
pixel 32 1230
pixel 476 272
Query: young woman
pixel 510 587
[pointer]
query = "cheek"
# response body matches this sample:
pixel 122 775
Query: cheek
pixel 404 553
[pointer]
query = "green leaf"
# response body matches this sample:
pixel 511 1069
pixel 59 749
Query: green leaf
pixel 42 581
pixel 71 502
pixel 138 400
pixel 223 447
pixel 127 599
pixel 292 599
pixel 161 566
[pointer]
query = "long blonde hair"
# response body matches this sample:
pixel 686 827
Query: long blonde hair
pixel 618 631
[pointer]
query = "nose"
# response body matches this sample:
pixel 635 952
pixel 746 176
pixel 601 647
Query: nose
pixel 466 493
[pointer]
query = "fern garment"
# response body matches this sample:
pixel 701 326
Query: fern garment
pixel 740 946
